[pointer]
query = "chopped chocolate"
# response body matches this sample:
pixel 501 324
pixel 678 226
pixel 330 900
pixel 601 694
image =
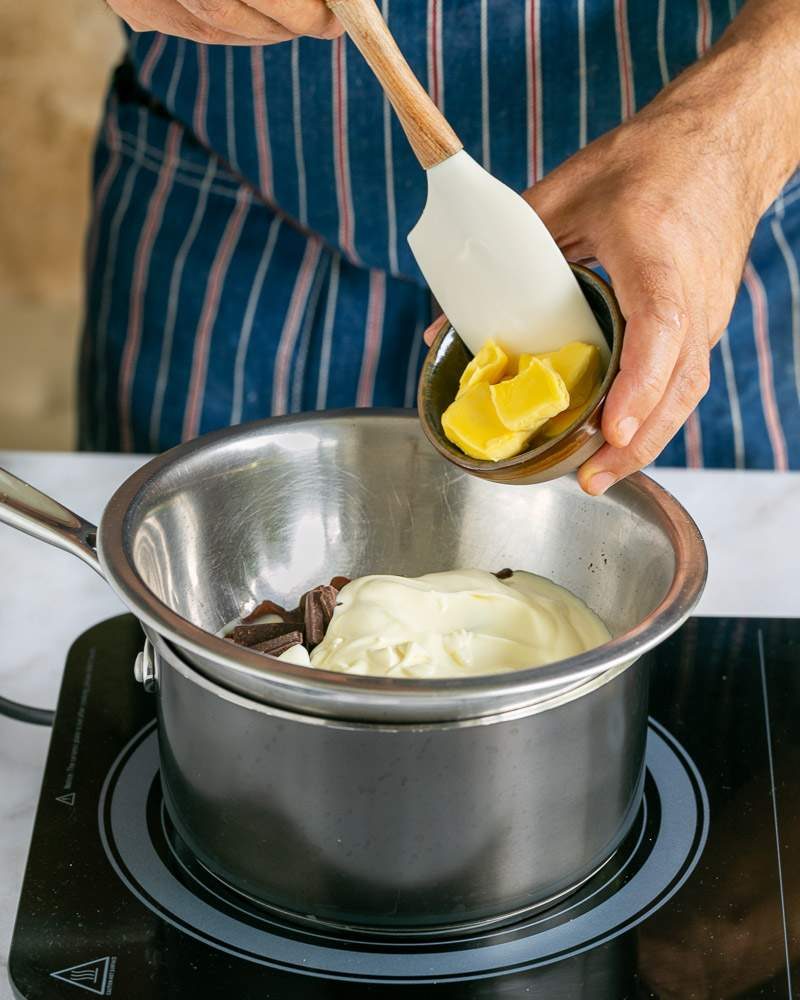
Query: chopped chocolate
pixel 278 645
pixel 314 618
pixel 504 574
pixel 304 624
pixel 264 608
pixel 327 598
pixel 250 635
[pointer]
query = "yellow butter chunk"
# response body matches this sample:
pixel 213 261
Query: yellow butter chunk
pixel 579 366
pixel 561 421
pixel 488 366
pixel 528 400
pixel 472 424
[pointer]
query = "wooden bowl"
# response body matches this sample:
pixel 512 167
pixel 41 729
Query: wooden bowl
pixel 548 458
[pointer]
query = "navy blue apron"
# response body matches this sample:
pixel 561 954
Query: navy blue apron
pixel 247 252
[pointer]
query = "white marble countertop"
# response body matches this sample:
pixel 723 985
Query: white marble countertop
pixel 47 598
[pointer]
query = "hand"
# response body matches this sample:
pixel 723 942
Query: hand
pixel 230 22
pixel 668 203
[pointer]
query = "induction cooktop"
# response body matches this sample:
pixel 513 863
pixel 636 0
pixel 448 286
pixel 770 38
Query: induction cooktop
pixel 702 900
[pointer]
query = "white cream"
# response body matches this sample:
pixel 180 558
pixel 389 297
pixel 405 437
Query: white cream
pixel 296 654
pixel 454 624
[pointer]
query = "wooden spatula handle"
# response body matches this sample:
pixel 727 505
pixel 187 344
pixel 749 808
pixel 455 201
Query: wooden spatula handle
pixel 428 131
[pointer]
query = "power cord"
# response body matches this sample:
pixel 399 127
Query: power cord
pixel 26 713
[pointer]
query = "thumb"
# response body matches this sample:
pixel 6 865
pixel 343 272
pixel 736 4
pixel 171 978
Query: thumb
pixel 434 329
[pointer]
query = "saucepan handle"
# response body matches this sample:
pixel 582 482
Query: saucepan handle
pixel 24 507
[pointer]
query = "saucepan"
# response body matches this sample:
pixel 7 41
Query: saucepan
pixel 411 806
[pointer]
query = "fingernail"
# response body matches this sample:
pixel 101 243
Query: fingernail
pixel 600 482
pixel 626 429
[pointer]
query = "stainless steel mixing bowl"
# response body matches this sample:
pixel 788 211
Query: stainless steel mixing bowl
pixel 367 801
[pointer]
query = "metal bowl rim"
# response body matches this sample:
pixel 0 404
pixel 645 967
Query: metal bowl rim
pixel 385 697
pixel 557 698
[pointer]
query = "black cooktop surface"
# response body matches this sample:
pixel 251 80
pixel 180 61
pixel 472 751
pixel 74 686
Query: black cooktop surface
pixel 701 901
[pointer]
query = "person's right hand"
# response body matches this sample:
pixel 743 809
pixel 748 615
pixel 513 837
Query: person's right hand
pixel 230 22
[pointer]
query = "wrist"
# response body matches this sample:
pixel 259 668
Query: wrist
pixel 742 101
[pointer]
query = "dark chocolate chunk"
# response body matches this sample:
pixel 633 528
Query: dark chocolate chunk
pixel 250 635
pixel 327 597
pixel 504 574
pixel 278 645
pixel 306 623
pixel 314 618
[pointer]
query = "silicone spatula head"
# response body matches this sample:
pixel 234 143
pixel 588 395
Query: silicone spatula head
pixel 494 267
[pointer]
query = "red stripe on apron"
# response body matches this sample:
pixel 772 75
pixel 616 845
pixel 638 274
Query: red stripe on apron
pixel 261 121
pixel 693 437
pixel 200 115
pixel 291 326
pixel 373 334
pixel 627 102
pixel 758 298
pixel 344 195
pixel 216 277
pixel 141 266
pixel 533 61
pixel 703 27
pixel 435 67
pixel 150 60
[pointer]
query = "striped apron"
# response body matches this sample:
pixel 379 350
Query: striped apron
pixel 247 254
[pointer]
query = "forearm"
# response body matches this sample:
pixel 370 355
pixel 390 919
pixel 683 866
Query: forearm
pixel 744 97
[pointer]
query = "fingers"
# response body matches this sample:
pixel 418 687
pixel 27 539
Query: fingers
pixel 653 340
pixel 171 18
pixel 230 22
pixel 236 18
pixel 687 386
pixel 301 17
pixel 434 329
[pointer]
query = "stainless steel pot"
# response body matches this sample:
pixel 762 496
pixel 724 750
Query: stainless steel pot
pixel 377 800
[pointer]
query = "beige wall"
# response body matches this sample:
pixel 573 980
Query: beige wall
pixel 54 64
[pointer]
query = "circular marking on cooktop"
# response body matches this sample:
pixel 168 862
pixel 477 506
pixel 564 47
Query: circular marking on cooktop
pixel 661 866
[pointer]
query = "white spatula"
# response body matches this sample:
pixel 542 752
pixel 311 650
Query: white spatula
pixel 486 255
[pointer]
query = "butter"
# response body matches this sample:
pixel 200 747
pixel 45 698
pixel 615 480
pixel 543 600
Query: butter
pixel 488 365
pixel 559 423
pixel 579 367
pixel 472 424
pixel 458 623
pixel 502 402
pixel 528 400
